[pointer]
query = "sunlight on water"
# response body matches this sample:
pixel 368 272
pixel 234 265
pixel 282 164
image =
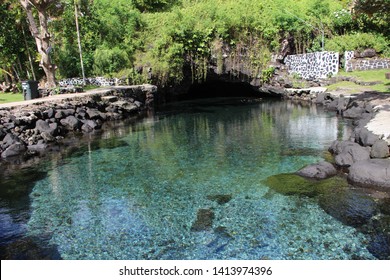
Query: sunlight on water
pixel 188 186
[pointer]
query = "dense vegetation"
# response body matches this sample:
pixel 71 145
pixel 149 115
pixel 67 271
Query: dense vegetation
pixel 126 38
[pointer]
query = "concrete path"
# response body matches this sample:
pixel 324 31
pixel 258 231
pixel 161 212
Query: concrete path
pixel 61 97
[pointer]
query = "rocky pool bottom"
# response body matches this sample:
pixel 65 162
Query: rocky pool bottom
pixel 208 181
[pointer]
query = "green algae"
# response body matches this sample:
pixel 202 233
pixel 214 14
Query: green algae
pixel 349 205
pixel 292 184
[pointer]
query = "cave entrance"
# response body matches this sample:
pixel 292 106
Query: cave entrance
pixel 215 88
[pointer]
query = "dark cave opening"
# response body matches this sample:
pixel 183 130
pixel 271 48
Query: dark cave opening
pixel 218 88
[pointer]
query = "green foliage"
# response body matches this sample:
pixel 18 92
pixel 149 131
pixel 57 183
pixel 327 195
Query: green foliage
pixel 154 5
pixel 267 74
pixel 359 41
pixel 342 21
pixel 166 36
pixel 14 45
pixel 319 9
pixel 132 77
pixel 110 60
pixel 104 25
pixel 372 7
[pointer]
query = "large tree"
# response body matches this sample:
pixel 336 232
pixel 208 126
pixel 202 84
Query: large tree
pixel 40 31
pixel 371 7
pixel 15 55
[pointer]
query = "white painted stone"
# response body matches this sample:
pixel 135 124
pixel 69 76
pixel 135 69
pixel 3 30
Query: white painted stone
pixel 380 124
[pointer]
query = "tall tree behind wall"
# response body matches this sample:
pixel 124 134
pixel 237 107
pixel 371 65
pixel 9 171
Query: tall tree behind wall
pixel 40 31
pixel 374 15
pixel 16 61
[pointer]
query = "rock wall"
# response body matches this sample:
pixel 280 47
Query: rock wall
pixel 313 65
pixel 366 64
pixel 30 129
pixel 97 81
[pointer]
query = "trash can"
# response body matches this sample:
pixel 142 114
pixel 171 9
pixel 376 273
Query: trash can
pixel 30 90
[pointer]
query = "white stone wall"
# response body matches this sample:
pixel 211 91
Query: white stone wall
pixel 348 55
pixel 313 65
pixel 98 81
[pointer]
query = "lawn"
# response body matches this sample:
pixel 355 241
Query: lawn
pixel 10 97
pixel 368 76
pixel 363 76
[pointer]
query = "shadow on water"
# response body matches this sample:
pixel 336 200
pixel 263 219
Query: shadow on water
pixel 15 192
pixel 17 182
pixel 368 211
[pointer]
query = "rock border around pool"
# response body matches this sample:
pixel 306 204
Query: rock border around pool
pixel 28 128
pixel 365 156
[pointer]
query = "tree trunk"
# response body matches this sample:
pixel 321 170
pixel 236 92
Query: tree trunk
pixel 76 12
pixel 29 55
pixel 41 36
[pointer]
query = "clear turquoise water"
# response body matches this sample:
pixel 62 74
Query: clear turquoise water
pixel 139 199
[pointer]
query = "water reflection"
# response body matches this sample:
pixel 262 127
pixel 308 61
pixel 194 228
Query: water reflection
pixel 139 196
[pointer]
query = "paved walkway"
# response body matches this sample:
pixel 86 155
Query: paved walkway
pixel 60 97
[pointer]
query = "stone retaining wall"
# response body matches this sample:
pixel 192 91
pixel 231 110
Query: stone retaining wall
pixel 30 129
pixel 313 65
pixel 367 64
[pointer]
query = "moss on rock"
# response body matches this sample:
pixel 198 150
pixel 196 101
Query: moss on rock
pixel 291 184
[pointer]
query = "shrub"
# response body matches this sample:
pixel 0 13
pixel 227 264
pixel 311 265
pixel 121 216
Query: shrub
pixel 360 42
pixel 110 60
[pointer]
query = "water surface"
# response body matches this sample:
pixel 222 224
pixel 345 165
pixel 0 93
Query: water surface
pixel 188 183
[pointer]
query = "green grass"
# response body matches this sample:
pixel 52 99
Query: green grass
pixel 10 97
pixel 353 88
pixel 368 76
pixel 90 87
pixel 364 76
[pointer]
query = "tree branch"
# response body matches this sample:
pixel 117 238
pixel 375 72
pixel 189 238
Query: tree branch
pixel 26 4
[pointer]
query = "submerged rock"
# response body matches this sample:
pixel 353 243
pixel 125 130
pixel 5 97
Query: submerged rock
pixel 220 198
pixel 321 170
pixel 221 240
pixel 370 173
pixel 204 220
pixel 292 184
pixel 379 232
pixel 349 206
